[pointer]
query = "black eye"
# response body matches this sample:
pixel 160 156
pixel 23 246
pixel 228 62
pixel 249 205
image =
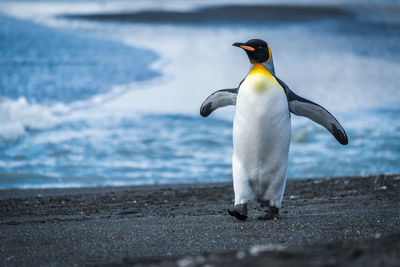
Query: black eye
pixel 260 47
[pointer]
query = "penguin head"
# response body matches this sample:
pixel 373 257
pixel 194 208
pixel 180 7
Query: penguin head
pixel 257 50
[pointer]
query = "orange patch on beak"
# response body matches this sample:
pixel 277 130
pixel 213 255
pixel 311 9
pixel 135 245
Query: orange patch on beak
pixel 246 47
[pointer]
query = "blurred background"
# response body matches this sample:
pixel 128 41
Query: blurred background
pixel 107 93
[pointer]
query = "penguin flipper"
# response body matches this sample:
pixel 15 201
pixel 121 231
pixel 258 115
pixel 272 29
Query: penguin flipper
pixel 218 99
pixel 306 108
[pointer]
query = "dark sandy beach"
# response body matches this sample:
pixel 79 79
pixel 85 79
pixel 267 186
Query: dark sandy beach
pixel 342 221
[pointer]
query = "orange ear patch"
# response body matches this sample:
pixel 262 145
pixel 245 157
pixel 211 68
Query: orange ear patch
pixel 246 47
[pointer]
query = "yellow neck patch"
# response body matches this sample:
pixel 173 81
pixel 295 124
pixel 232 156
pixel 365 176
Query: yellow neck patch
pixel 259 68
pixel 261 78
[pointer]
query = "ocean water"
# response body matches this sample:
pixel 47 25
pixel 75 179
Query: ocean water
pixel 98 103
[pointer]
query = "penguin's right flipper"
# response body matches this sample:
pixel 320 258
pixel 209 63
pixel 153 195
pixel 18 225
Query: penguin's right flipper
pixel 304 107
pixel 218 99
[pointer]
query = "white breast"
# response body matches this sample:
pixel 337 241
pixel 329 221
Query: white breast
pixel 261 132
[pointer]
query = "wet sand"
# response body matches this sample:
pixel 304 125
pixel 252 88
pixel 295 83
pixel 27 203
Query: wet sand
pixel 342 221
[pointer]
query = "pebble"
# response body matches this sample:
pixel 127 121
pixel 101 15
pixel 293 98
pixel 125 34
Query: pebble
pixel 255 250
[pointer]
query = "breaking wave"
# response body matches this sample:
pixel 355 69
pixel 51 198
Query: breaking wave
pixel 18 117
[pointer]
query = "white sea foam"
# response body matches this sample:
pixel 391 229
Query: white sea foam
pixel 19 116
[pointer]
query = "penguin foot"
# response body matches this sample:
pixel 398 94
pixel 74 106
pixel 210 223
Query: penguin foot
pixel 239 212
pixel 272 214
pixel 237 215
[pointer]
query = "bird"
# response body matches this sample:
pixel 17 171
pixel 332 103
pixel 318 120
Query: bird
pixel 262 130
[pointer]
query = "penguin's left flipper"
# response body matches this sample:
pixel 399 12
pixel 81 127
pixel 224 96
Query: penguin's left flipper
pixel 304 107
pixel 218 99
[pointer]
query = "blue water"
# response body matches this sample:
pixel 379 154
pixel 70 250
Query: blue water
pixel 96 104
pixel 46 65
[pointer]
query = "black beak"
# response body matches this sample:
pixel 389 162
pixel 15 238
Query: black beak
pixel 238 44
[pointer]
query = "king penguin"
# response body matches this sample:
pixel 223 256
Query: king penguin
pixel 262 129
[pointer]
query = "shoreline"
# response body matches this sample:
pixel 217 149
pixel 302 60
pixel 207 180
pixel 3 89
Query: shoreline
pixel 226 14
pixel 55 191
pixel 169 223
